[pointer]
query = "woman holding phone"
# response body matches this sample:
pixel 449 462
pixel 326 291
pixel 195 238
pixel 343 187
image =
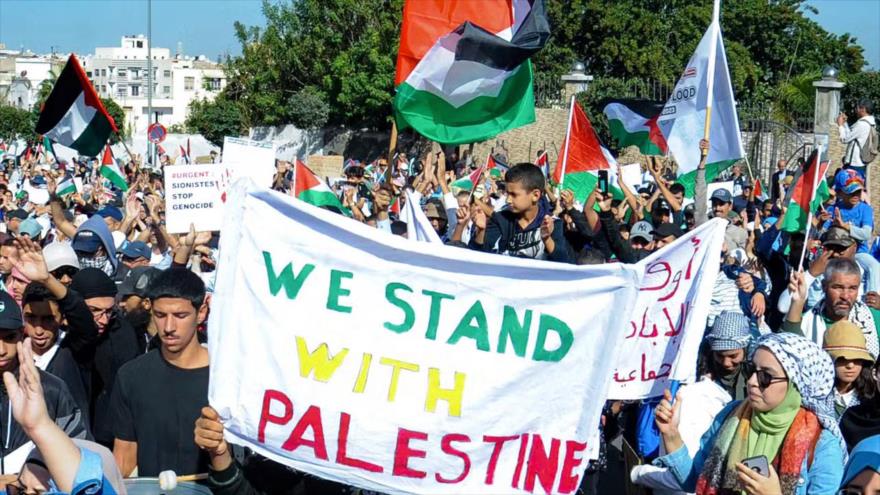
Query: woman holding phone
pixel 782 439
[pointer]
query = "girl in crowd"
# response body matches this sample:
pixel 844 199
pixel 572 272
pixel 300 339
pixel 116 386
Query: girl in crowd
pixel 788 419
pixel 853 365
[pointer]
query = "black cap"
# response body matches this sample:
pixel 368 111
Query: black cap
pixel 91 282
pixel 19 214
pixel 666 230
pixel 137 281
pixel 10 313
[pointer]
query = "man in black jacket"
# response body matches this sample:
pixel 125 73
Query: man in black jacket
pixel 101 346
pixel 14 442
pixel 526 227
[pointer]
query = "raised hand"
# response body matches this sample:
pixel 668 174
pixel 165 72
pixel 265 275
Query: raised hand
pixel 26 392
pixel 30 260
pixel 667 416
pixel 547 226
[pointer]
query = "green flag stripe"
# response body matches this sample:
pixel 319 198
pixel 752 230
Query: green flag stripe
pixel 712 171
pixel 94 137
pixel 477 120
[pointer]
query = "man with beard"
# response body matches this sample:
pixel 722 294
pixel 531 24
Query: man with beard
pixel 841 302
pixel 135 305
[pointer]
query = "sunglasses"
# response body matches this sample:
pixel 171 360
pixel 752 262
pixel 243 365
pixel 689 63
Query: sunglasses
pixel 70 271
pixel 765 379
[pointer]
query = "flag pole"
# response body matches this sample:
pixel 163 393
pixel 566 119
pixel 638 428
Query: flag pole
pixel 710 76
pixel 567 141
pixel 810 207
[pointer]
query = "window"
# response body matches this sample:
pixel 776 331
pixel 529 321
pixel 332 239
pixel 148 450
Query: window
pixel 123 92
pixel 135 91
pixel 166 73
pixel 122 73
pixel 89 73
pixel 213 84
pixel 134 73
pixel 189 83
pixel 166 89
pixel 140 44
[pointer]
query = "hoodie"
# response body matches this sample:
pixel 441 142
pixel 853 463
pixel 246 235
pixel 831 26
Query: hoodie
pixel 98 227
pixel 505 236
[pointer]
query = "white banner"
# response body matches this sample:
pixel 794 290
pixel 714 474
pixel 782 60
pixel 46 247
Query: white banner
pixel 663 335
pixel 249 158
pixel 407 367
pixel 194 194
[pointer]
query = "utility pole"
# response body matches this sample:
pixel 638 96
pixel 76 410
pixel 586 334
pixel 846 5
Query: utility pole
pixel 150 147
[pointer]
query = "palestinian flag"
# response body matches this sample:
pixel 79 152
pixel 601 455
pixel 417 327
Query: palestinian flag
pixel 683 118
pixel 468 183
pixel 808 194
pixel 497 168
pixel 543 162
pixel 582 157
pixel 66 187
pixel 463 70
pixel 110 170
pixel 309 188
pixel 634 123
pixel 73 115
pixel 47 147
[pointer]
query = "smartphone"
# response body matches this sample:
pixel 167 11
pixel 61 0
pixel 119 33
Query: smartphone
pixel 603 181
pixel 758 464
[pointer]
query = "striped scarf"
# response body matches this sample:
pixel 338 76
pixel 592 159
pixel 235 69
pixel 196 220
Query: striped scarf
pixel 719 475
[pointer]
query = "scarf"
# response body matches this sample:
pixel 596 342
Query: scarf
pixel 734 384
pixel 768 428
pixel 731 446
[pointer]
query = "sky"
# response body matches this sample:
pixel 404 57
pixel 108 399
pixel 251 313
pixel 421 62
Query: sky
pixel 206 26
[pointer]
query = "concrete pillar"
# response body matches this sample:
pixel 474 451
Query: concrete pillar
pixel 575 82
pixel 825 115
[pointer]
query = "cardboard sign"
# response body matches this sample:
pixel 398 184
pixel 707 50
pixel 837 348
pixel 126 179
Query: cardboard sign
pixel 194 194
pixel 326 166
pixel 249 158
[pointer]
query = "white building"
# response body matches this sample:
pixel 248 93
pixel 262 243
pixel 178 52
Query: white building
pixel 22 73
pixel 120 73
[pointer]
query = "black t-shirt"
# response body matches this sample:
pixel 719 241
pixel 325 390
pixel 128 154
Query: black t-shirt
pixel 156 405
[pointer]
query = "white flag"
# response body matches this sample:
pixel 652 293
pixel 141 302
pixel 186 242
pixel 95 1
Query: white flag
pixel 682 120
pixel 418 227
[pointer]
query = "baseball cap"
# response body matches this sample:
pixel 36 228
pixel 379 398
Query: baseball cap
pixel 848 181
pixel 86 241
pixel 30 227
pixel 666 230
pixel 844 339
pixel 431 211
pixel 19 214
pixel 137 249
pixel 10 313
pixel 642 229
pixel 722 195
pixel 137 281
pixel 111 212
pixel 836 236
pixel 58 254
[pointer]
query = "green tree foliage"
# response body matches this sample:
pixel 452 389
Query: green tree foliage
pixel 766 41
pixel 216 119
pixel 858 86
pixel 118 115
pixel 318 62
pixel 15 123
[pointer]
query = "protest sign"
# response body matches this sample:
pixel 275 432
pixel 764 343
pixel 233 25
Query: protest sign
pixel 663 334
pixel 194 194
pixel 405 367
pixel 249 158
pixel 326 166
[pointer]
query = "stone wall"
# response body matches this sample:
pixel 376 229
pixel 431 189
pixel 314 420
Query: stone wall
pixel 522 144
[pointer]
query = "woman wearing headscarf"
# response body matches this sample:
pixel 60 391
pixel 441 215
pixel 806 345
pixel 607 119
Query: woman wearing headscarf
pixel 862 473
pixel 788 418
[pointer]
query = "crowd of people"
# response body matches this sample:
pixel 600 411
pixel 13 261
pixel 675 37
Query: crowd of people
pixel 103 321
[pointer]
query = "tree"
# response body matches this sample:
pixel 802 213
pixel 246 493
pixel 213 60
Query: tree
pixel 318 62
pixel 118 116
pixel 216 119
pixel 15 123
pixel 767 42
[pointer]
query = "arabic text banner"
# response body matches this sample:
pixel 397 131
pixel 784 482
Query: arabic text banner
pixel 663 335
pixel 406 367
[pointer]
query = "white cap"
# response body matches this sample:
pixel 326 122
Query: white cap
pixel 58 254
